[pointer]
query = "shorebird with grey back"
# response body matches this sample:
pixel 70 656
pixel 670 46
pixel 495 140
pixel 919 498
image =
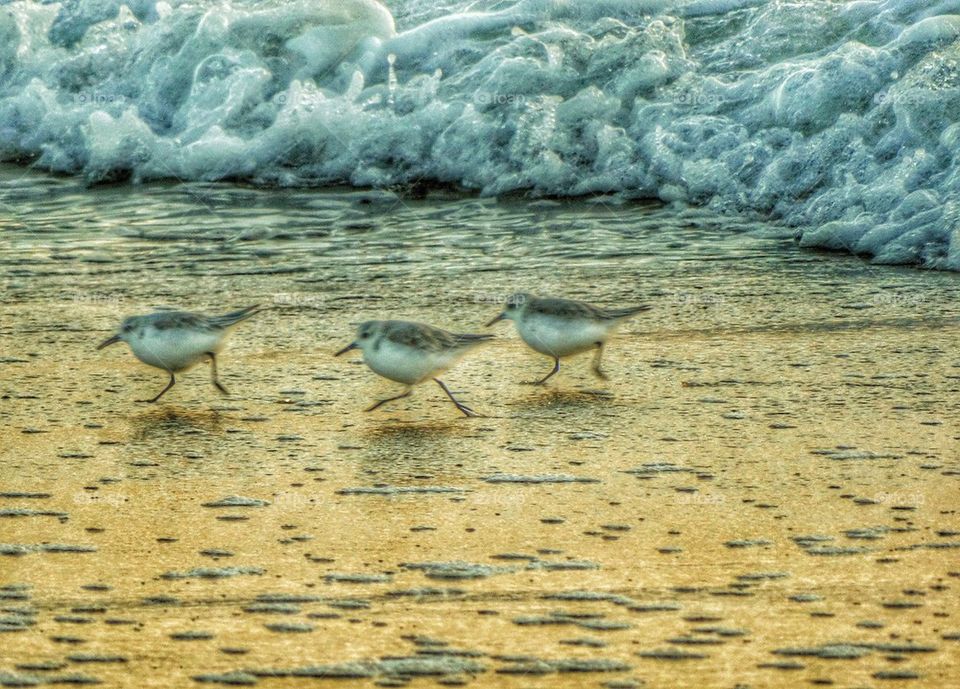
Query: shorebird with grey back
pixel 176 341
pixel 411 353
pixel 563 327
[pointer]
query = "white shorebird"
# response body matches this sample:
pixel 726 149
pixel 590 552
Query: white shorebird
pixel 562 327
pixel 176 341
pixel 411 353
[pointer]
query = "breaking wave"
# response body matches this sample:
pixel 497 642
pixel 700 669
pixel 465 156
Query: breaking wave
pixel 841 119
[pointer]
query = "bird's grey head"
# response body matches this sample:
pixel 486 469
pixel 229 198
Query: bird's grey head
pixel 512 307
pixel 127 327
pixel 515 303
pixel 366 333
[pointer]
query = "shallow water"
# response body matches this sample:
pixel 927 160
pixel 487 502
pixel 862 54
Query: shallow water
pixel 763 493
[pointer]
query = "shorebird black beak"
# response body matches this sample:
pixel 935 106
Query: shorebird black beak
pixel 352 345
pixel 499 318
pixel 109 341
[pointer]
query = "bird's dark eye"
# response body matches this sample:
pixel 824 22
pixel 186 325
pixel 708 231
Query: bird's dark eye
pixel 127 327
pixel 364 336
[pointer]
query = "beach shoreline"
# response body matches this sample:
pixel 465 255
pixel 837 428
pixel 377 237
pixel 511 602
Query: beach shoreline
pixel 767 480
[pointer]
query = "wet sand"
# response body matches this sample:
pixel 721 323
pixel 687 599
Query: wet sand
pixel 763 494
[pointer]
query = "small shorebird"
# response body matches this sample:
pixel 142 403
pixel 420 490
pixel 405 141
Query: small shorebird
pixel 561 327
pixel 410 353
pixel 176 341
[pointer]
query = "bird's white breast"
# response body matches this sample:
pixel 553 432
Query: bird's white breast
pixel 405 364
pixel 174 349
pixel 561 336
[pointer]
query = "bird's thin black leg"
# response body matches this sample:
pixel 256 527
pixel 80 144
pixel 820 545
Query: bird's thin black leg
pixel 389 399
pixel 169 385
pixel 596 362
pixel 467 411
pixel 556 367
pixel 213 373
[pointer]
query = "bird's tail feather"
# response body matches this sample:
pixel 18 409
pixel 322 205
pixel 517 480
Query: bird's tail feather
pixel 626 312
pixel 470 338
pixel 234 317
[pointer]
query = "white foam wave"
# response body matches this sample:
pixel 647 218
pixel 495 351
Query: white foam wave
pixel 839 119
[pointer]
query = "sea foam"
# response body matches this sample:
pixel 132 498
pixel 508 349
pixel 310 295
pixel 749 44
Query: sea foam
pixel 841 120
